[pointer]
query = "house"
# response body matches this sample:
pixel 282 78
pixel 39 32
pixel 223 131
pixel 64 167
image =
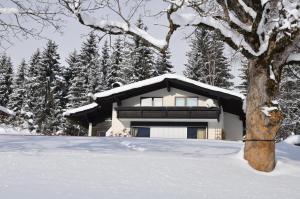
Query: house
pixel 167 106
pixel 5 113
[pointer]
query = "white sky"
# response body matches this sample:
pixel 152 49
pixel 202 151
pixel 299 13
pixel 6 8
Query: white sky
pixel 74 34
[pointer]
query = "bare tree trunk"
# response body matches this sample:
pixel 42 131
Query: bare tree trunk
pixel 261 129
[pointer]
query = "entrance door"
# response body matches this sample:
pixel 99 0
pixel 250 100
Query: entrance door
pixel 196 133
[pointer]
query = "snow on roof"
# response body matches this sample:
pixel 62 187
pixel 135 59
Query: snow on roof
pixel 7 111
pixel 80 109
pixel 160 79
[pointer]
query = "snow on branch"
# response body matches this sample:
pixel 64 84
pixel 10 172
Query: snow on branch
pixel 267 110
pixel 9 11
pixel 116 27
pixel 294 57
pixel 248 9
pixel 215 23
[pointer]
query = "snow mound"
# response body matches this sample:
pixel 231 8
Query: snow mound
pixel 6 130
pixel 293 139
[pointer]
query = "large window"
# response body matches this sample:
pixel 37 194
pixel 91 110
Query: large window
pixel 191 101
pixel 151 101
pixel 186 101
pixel 179 101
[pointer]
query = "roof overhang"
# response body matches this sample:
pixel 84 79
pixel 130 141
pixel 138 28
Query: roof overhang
pixel 230 101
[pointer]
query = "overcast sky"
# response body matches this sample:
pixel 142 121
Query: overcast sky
pixel 74 34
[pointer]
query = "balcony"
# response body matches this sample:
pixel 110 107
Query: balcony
pixel 168 112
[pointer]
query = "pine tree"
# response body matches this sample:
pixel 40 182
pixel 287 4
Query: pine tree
pixel 90 61
pixel 243 86
pixel 18 95
pixel 6 79
pixel 54 82
pixel 115 73
pixel 289 101
pixel 35 92
pixel 206 62
pixel 104 67
pixel 163 64
pixel 142 57
pixel 76 95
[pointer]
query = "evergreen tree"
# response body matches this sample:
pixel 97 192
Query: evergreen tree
pixel 104 67
pixel 77 88
pixel 52 117
pixel 35 92
pixel 115 73
pixel 163 64
pixel 90 61
pixel 6 79
pixel 142 57
pixel 206 62
pixel 289 101
pixel 243 86
pixel 18 95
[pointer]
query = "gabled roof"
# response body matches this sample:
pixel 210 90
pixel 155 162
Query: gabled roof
pixel 102 107
pixel 162 78
pixel 7 111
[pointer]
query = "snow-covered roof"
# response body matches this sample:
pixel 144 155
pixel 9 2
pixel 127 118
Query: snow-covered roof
pixel 7 111
pixel 80 109
pixel 160 79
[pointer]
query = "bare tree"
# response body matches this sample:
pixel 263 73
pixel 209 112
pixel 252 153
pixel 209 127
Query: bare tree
pixel 27 18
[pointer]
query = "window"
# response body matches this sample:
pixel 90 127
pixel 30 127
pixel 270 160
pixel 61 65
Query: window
pixel 179 101
pixel 146 101
pixel 186 101
pixel 191 101
pixel 157 101
pixel 151 101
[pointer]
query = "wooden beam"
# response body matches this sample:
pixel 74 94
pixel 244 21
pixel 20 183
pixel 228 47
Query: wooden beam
pixel 168 86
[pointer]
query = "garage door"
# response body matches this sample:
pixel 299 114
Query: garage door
pixel 168 132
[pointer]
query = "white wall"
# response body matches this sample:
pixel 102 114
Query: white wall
pixel 168 97
pixel 233 127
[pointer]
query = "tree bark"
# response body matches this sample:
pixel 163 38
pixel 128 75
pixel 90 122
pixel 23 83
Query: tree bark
pixel 261 129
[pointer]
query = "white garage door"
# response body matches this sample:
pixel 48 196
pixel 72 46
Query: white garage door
pixel 168 132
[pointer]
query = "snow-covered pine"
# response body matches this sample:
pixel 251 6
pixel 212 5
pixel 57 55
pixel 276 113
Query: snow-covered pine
pixel 142 57
pixel 206 62
pixel 76 90
pixel 90 63
pixel 6 79
pixel 127 61
pixel 52 117
pixel 289 101
pixel 243 85
pixel 104 67
pixel 18 95
pixel 76 94
pixel 114 73
pixel 163 64
pixel 35 92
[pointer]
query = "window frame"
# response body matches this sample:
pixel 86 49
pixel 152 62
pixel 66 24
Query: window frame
pixel 152 101
pixel 185 101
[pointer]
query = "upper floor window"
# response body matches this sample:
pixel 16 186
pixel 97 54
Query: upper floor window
pixel 151 101
pixel 186 101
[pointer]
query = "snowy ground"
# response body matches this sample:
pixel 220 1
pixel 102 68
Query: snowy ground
pixel 34 167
